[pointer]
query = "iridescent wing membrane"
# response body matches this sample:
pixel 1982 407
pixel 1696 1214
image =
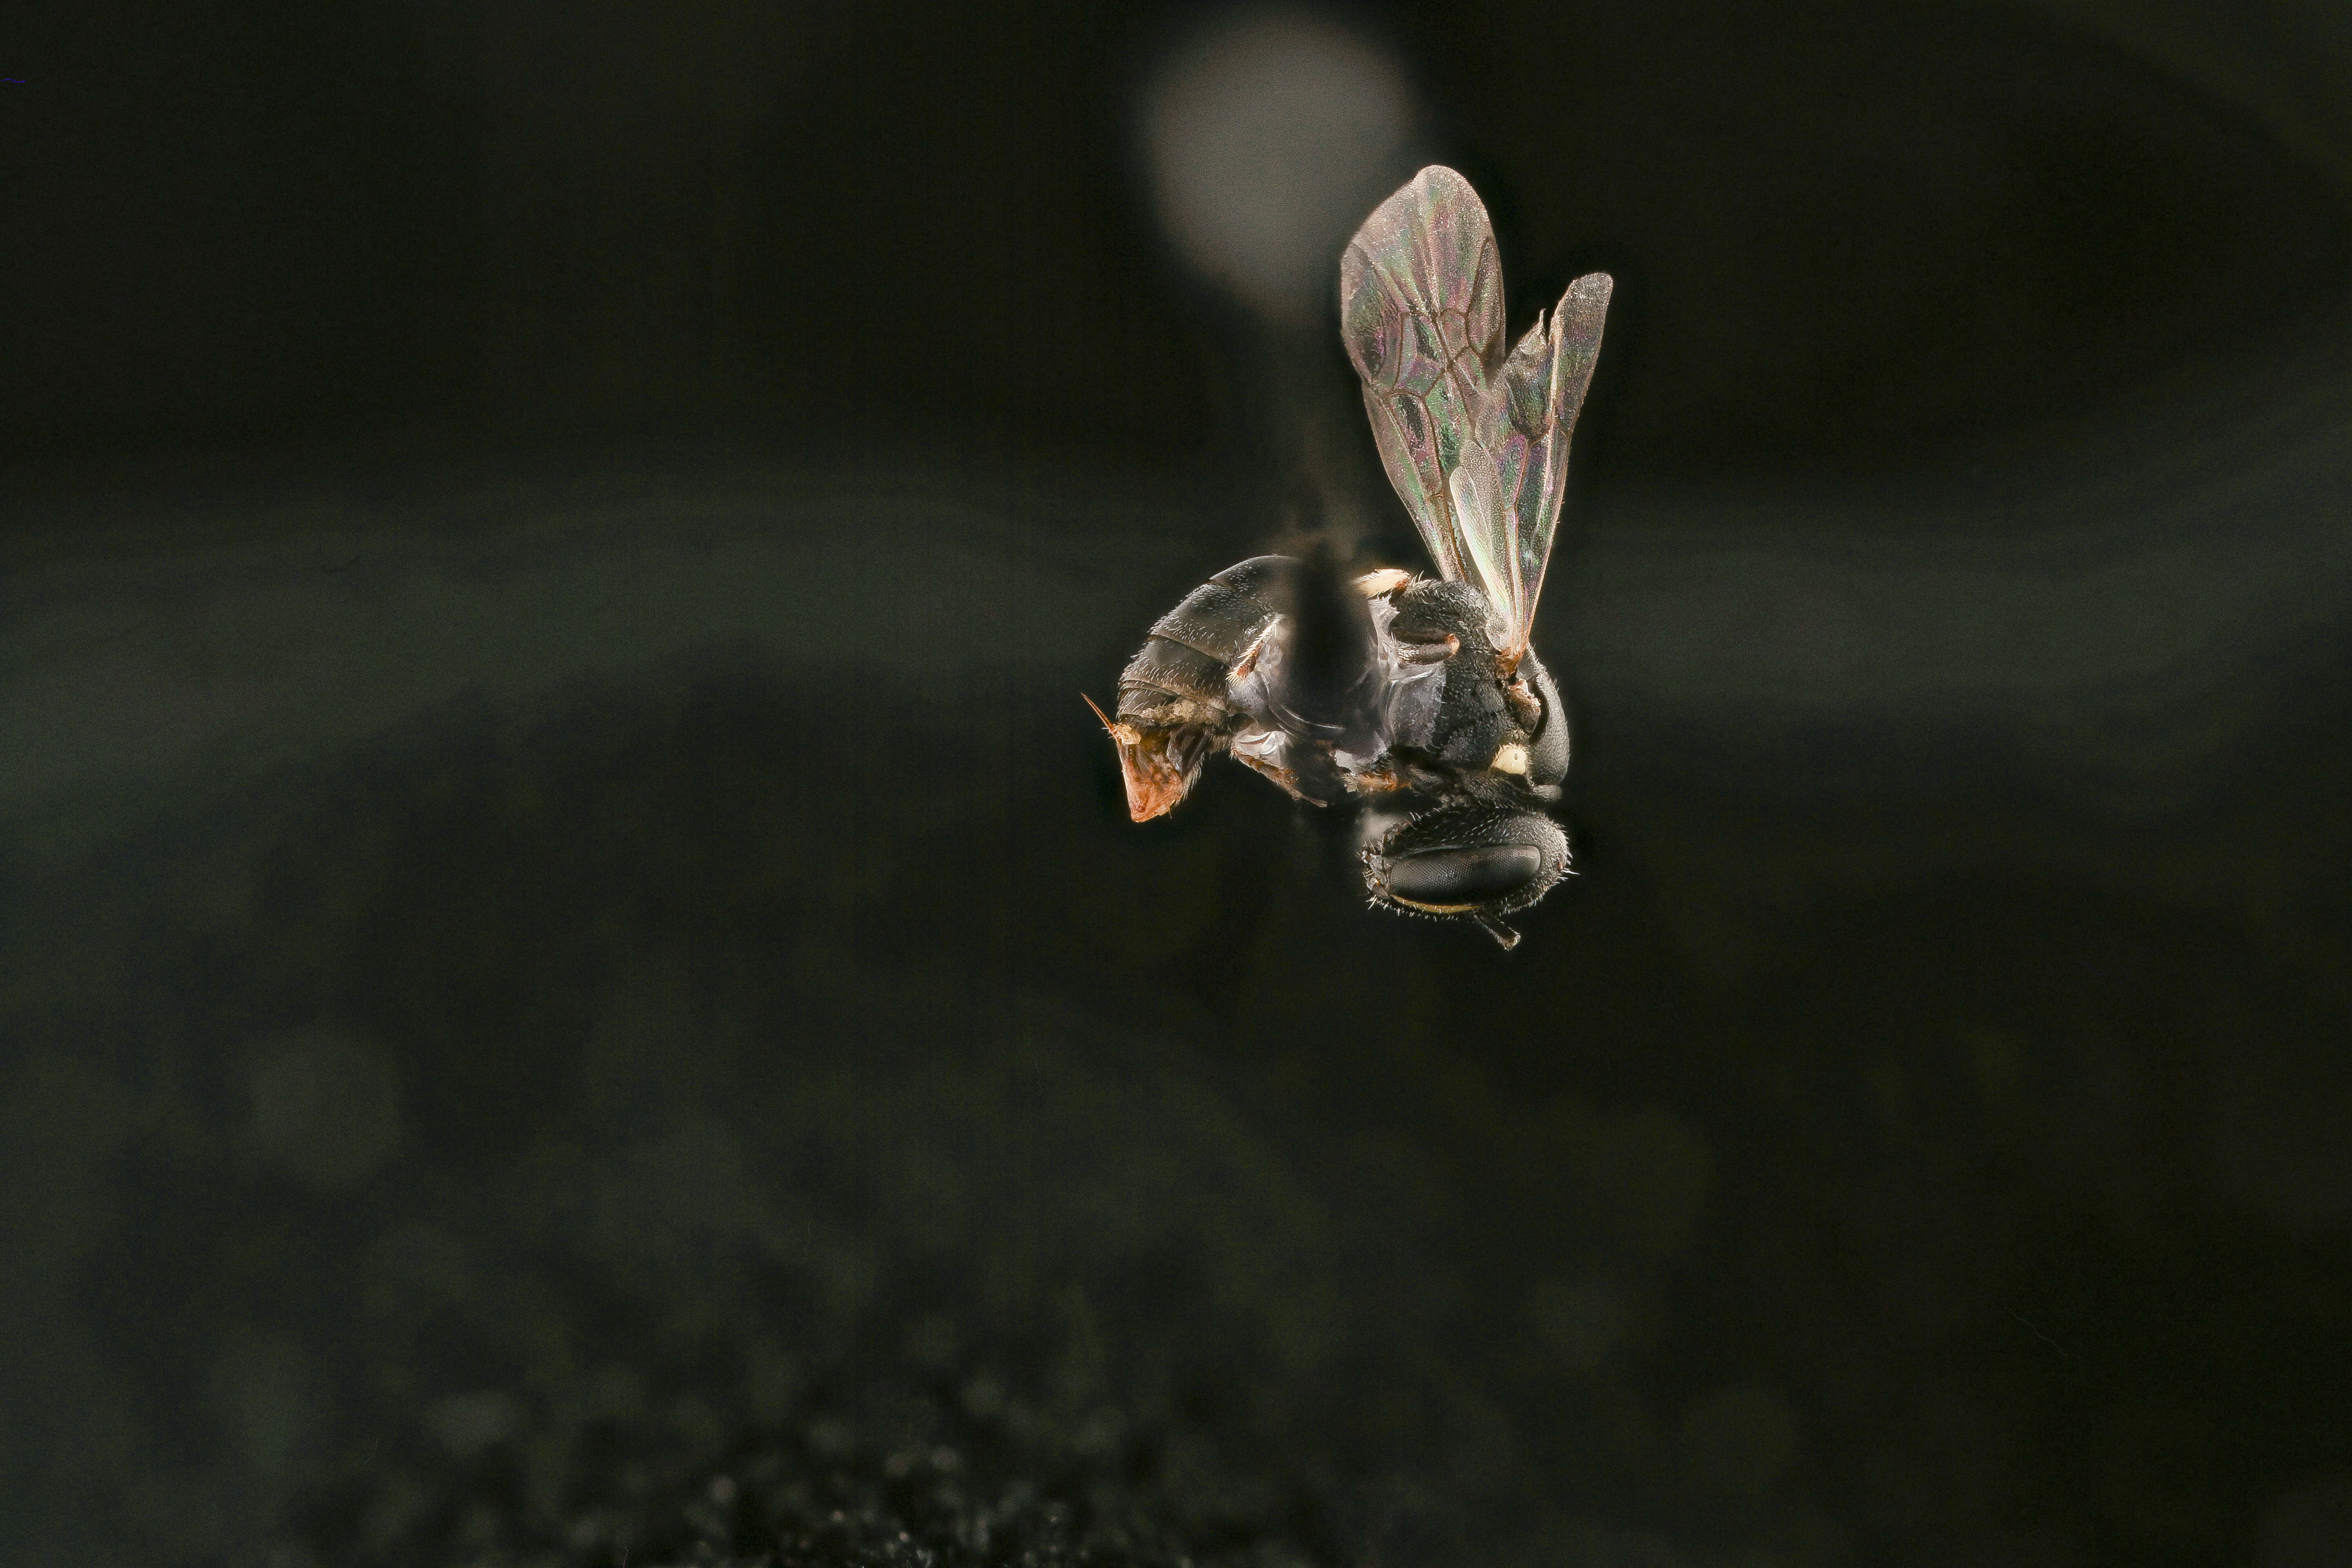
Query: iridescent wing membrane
pixel 1475 443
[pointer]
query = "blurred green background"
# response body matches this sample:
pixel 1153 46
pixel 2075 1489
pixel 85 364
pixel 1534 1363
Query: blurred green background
pixel 571 961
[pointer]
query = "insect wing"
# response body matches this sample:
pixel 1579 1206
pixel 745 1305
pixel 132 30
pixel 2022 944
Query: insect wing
pixel 1541 392
pixel 1475 444
pixel 1477 489
pixel 1421 305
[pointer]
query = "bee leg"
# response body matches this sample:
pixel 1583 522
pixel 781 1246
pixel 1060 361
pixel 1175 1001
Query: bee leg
pixel 1379 779
pixel 1520 698
pixel 1281 775
pixel 1497 929
pixel 1248 661
pixel 1429 652
pixel 1158 765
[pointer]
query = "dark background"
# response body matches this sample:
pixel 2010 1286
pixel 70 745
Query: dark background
pixel 573 978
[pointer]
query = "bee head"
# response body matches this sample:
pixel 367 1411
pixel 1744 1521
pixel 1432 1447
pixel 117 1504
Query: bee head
pixel 1465 859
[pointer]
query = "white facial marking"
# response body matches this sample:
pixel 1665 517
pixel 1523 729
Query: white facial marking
pixel 1510 758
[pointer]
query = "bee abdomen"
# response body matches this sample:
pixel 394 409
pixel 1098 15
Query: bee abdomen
pixel 1166 672
pixel 1183 667
pixel 1213 621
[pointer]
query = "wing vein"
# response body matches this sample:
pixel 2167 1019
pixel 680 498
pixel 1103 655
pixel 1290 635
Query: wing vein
pixel 1475 442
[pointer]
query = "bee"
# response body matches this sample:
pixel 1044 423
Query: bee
pixel 1420 697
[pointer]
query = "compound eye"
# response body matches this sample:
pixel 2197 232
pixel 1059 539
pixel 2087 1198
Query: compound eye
pixel 1464 859
pixel 1451 880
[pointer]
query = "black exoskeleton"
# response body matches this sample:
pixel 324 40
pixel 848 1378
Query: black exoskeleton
pixel 1424 698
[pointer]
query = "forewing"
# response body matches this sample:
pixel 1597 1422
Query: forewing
pixel 1530 420
pixel 1421 301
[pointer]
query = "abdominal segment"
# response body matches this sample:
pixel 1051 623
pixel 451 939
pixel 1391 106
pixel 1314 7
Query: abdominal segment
pixel 1327 688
